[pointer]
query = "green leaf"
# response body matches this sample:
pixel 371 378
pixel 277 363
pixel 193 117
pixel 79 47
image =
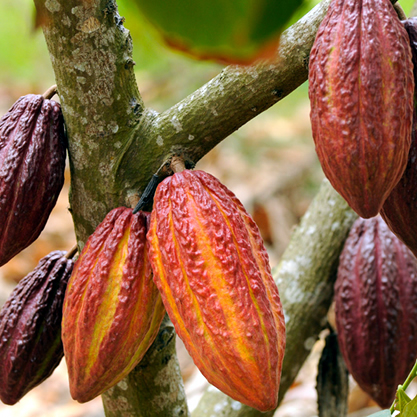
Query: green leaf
pixel 227 30
pixel 383 413
pixel 402 399
pixel 410 410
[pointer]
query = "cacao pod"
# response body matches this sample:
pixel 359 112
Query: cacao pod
pixel 400 208
pixel 213 273
pixel 376 308
pixel 112 308
pixel 32 163
pixel 30 327
pixel 361 90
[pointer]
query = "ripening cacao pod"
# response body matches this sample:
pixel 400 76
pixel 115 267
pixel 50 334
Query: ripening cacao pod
pixel 112 309
pixel 32 163
pixel 376 308
pixel 30 327
pixel 400 208
pixel 361 90
pixel 212 270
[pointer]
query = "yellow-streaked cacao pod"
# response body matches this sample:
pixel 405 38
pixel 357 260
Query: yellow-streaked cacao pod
pixel 112 308
pixel 212 270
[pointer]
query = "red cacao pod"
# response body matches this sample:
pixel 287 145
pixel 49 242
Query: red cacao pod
pixel 400 208
pixel 361 90
pixel 32 163
pixel 376 308
pixel 30 327
pixel 112 309
pixel 212 270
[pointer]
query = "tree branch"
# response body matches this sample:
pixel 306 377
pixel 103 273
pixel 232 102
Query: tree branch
pixel 91 56
pixel 202 120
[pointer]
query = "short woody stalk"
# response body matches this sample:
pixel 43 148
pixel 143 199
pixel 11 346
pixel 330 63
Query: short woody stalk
pixel 50 92
pixel 177 164
pixel 400 12
pixel 71 253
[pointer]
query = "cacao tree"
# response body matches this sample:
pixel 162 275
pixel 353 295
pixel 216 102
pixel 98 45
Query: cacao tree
pixel 116 144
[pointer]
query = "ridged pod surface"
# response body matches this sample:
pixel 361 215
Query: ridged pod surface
pixel 32 164
pixel 376 308
pixel 400 208
pixel 30 327
pixel 361 90
pixel 112 309
pixel 212 270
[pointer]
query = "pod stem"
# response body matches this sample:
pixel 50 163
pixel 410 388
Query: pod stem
pixel 400 12
pixel 148 193
pixel 177 164
pixel 71 253
pixel 50 92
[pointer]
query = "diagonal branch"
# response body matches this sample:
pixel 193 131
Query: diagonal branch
pixel 202 120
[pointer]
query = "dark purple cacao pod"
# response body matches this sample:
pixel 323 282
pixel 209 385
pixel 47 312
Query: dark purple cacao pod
pixel 410 26
pixel 400 208
pixel 376 308
pixel 30 327
pixel 32 163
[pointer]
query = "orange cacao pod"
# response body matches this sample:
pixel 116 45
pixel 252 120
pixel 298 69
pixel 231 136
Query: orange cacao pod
pixel 376 308
pixel 212 270
pixel 112 308
pixel 361 90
